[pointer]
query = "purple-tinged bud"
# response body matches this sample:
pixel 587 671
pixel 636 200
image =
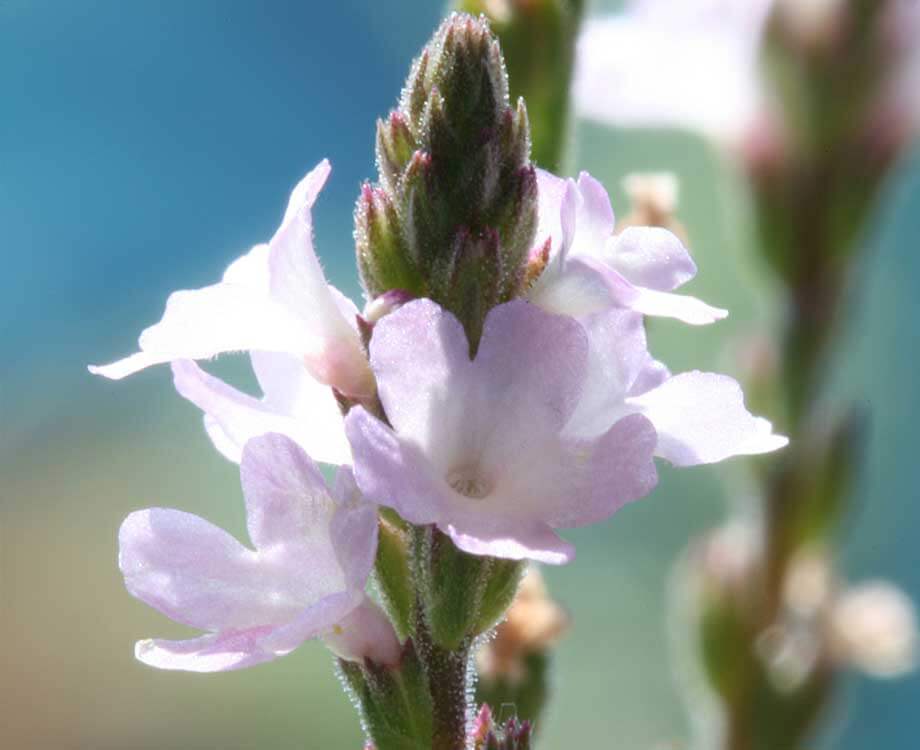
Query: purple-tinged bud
pixel 460 190
pixel 381 245
pixel 395 146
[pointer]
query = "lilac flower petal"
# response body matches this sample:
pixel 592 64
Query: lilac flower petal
pixel 594 219
pixel 306 411
pixel 652 374
pixel 650 257
pixel 331 346
pixel 354 530
pixel 394 472
pixel 237 649
pixel 513 541
pixel 617 357
pixel 365 633
pixel 666 305
pixel 700 418
pixel 199 575
pixel 420 356
pixel 551 191
pixel 608 472
pixel 581 288
pixel 529 372
pixel 214 652
pixel 287 501
pixel 576 481
pixel 224 317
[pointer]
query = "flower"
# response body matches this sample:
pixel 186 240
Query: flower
pixel 314 549
pixel 301 333
pixel 699 417
pixel 477 446
pixel 589 269
pixel 691 64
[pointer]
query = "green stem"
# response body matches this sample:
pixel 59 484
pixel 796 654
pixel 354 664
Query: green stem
pixel 449 685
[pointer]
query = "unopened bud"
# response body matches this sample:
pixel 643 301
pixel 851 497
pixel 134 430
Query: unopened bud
pixel 455 212
pixel 380 244
pixel 653 200
pixel 538 38
pixel 395 146
pixel 874 628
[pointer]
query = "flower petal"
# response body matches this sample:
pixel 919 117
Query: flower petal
pixel 199 575
pixel 328 542
pixel 394 472
pixel 578 481
pixel 365 633
pixel 684 308
pixel 514 541
pixel 238 649
pixel 353 530
pixel 300 408
pixel 650 257
pixel 594 220
pixel 700 418
pixel 331 346
pixel 526 378
pixel 617 356
pixel 420 356
pixel 233 315
pixel 214 652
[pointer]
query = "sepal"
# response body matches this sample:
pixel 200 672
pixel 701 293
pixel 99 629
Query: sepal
pixel 394 702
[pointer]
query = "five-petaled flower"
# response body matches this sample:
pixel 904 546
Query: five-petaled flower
pixel 275 303
pixel 314 549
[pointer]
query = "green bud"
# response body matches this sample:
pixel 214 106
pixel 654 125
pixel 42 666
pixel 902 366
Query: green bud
pixel 460 212
pixel 380 245
pixel 538 39
pixel 395 146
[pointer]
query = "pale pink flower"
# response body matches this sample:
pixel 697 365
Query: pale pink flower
pixel 590 269
pixel 478 446
pixel 314 549
pixel 699 417
pixel 275 303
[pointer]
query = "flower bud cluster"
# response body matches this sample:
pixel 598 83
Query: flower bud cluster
pixel 453 215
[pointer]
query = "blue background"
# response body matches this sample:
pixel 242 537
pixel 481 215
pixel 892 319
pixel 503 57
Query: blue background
pixel 143 146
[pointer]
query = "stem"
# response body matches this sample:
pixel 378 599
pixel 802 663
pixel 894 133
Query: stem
pixel 448 682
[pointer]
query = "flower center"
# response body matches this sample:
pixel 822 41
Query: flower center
pixel 468 484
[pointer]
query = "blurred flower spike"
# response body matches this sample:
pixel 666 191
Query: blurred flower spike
pixel 703 71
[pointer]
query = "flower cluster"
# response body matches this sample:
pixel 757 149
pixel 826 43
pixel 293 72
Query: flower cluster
pixel 553 424
pixel 495 388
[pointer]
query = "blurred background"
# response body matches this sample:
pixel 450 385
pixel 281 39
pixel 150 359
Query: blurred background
pixel 145 145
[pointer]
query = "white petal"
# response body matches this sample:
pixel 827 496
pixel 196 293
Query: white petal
pixel 302 409
pixel 700 418
pixel 331 346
